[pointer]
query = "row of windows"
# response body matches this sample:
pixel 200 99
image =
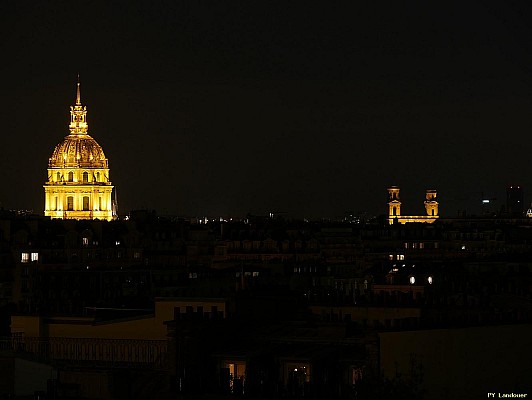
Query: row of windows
pixel 412 280
pixel 85 177
pixel 421 245
pixel 27 257
pixel 70 203
pixel 271 244
pixel 300 270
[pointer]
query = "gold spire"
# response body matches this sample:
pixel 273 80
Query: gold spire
pixel 78 116
pixel 78 97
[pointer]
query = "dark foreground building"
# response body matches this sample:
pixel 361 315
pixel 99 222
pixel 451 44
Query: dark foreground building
pixel 264 308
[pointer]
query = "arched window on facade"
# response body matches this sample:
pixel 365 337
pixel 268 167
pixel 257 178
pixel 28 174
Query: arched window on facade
pixel 97 177
pixel 85 177
pixel 70 203
pixel 85 203
pixel 59 177
pixel 71 176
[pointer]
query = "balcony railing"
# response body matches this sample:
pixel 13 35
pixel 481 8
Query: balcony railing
pixel 78 183
pixel 137 353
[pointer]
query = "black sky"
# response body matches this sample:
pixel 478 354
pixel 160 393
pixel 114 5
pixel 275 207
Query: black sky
pixel 308 108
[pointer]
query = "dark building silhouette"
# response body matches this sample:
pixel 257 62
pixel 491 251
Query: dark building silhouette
pixel 515 201
pixel 155 307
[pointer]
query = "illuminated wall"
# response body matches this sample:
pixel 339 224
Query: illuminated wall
pixel 78 185
pixel 394 208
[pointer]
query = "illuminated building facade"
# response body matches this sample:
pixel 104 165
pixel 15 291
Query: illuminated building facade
pixel 394 208
pixel 78 185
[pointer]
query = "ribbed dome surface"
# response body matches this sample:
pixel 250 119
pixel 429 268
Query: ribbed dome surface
pixel 78 151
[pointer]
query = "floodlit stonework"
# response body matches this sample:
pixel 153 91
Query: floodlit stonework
pixel 78 185
pixel 394 208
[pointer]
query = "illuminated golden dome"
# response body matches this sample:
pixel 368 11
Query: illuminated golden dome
pixel 78 184
pixel 78 151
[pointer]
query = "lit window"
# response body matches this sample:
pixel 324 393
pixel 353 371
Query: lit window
pixel 25 257
pixel 70 203
pixel 255 274
pixel 85 203
pixel 34 257
pixel 421 245
pixel 136 255
pixel 390 257
pixel 429 280
pixel 117 242
pixel 412 280
pixel 356 375
pixel 85 241
pixel 463 247
pixel 400 257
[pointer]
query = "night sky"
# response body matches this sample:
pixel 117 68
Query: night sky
pixel 307 108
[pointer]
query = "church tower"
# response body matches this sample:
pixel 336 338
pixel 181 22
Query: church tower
pixel 394 204
pixel 431 203
pixel 78 185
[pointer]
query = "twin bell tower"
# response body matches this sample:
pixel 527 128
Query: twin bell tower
pixel 394 208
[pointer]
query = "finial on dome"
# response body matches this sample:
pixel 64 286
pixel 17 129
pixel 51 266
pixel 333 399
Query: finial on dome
pixel 78 115
pixel 78 96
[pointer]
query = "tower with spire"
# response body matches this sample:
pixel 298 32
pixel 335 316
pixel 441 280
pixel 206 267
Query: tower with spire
pixel 78 184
